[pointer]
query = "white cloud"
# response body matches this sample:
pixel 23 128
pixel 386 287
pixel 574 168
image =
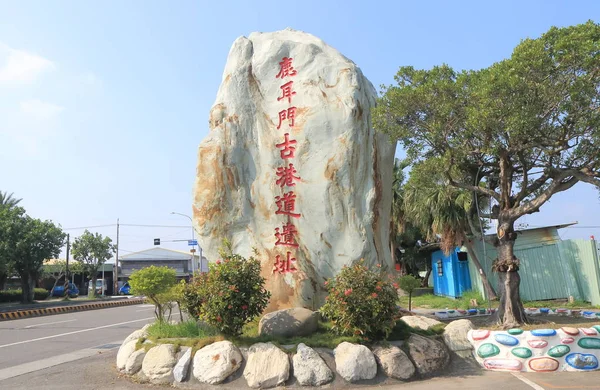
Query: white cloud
pixel 21 66
pixel 39 109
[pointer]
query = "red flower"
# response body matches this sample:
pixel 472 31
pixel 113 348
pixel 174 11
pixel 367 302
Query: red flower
pixel 245 307
pixel 218 261
pixel 378 265
pixel 219 319
pixel 395 285
pixel 348 292
pixel 326 282
pixel 378 288
pixel 374 295
pixel 230 307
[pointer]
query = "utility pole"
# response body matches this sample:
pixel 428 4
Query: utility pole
pixel 67 268
pixel 116 283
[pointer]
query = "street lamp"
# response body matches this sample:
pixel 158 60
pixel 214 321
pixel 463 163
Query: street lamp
pixel 193 246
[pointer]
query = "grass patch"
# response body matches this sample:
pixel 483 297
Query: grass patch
pixel 559 304
pixel 188 329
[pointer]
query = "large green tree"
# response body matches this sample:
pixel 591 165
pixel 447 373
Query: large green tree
pixel 91 251
pixel 523 129
pixel 28 242
pixel 6 201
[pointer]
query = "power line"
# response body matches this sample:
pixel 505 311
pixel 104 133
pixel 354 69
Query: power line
pixel 128 224
pixel 89 227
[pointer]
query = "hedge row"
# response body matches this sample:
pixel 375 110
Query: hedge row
pixel 39 294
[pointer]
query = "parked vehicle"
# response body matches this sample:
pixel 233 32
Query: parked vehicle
pixel 125 289
pixel 59 291
pixel 100 286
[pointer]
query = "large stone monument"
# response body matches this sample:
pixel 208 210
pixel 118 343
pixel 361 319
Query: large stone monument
pixel 292 166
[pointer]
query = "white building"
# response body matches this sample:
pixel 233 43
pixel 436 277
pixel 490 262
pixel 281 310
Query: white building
pixel 180 261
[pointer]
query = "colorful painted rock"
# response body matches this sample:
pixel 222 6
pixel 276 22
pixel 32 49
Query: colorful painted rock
pixel 522 352
pixel 488 350
pixel 567 340
pixel 596 328
pixel 588 331
pixel 559 351
pixel 543 332
pixel 589 314
pixel 480 334
pixel 543 364
pixel 575 312
pixel 463 312
pixel 505 339
pixel 537 343
pixel 481 311
pixel 582 361
pixel 515 331
pixel 502 364
pixel 589 343
pixel 472 311
pixel 544 311
pixel 570 331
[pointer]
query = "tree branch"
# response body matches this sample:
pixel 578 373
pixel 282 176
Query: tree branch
pixel 480 190
pixel 557 186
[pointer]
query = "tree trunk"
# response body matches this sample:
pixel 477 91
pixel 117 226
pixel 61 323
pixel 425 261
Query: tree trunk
pixel 94 279
pixel 3 279
pixel 425 282
pixel 510 312
pixel 410 301
pixel 27 285
pixel 484 280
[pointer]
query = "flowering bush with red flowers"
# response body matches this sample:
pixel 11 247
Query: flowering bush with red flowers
pixel 361 302
pixel 230 295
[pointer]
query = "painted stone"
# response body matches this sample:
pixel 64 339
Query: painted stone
pixel 480 334
pixel 570 331
pixel 559 351
pixel 472 311
pixel 488 350
pixel 582 361
pixel 462 311
pixel 537 343
pixel 589 314
pixel 544 311
pixel 450 311
pixel 596 328
pixel 543 332
pixel 567 340
pixel 502 364
pixel 522 352
pixel 589 343
pixel 505 339
pixel 481 311
pixel 589 332
pixel 515 331
pixel 543 364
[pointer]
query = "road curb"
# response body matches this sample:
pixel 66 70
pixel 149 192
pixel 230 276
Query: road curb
pixel 15 315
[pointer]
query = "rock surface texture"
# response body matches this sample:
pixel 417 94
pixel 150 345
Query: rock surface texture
pixel 158 364
pixel 309 367
pixel 354 362
pixel 456 337
pixel 293 167
pixel 180 370
pixel 134 362
pixel 125 351
pixel 420 322
pixel 394 362
pixel 267 366
pixel 215 362
pixel 428 355
pixel 296 321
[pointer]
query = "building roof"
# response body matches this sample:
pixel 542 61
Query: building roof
pixel 157 254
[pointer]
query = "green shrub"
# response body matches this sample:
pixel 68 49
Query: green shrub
pixel 408 284
pixel 230 295
pixel 471 294
pixel 39 294
pixel 360 302
pixel 153 282
pixel 187 329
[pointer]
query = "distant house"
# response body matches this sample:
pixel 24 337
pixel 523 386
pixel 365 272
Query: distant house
pixel 180 261
pixel 550 268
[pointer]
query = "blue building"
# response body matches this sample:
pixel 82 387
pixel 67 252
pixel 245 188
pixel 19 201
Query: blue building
pixel 450 273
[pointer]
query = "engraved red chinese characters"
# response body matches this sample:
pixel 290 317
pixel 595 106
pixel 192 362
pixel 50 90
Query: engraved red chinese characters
pixel 287 92
pixel 284 266
pixel 289 114
pixel 286 204
pixel 286 175
pixel 287 237
pixel 285 68
pixel 287 147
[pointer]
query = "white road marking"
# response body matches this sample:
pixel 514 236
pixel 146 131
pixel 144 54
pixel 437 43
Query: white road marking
pixel 26 368
pixel 150 308
pixel 527 381
pixel 74 332
pixel 48 323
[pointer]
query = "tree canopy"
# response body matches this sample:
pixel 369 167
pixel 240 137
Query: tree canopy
pixel 517 132
pixel 91 251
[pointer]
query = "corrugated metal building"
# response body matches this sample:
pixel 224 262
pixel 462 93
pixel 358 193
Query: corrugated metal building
pixel 180 261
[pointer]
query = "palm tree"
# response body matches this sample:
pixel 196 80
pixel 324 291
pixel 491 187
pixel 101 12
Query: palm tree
pixel 444 211
pixel 7 200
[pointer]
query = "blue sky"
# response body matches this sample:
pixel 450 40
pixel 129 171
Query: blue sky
pixel 103 104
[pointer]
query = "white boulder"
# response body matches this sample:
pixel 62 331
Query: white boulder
pixel 215 362
pixel 455 337
pixel 309 367
pixel 267 366
pixel 394 362
pixel 419 322
pixel 180 370
pixel 125 351
pixel 134 362
pixel 428 355
pixel 158 364
pixel 354 362
pixel 336 200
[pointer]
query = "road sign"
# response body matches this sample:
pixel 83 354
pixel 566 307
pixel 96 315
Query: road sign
pixel 192 242
pixel 157 241
pixel 192 250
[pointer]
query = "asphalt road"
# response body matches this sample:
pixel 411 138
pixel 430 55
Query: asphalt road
pixel 30 344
